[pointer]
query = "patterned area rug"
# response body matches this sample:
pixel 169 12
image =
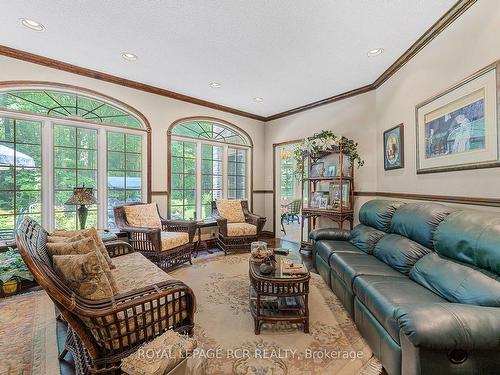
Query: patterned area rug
pixel 225 331
pixel 28 343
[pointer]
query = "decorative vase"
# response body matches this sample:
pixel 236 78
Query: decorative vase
pixel 10 287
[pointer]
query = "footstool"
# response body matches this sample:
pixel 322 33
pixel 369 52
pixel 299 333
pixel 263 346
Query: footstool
pixel 168 354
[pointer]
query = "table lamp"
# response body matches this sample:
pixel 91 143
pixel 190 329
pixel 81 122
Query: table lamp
pixel 82 196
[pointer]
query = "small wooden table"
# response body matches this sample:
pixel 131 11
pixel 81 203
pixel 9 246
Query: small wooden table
pixel 206 244
pixel 268 293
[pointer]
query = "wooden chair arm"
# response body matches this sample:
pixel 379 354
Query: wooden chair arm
pixel 256 220
pixel 188 226
pixel 221 223
pixel 117 248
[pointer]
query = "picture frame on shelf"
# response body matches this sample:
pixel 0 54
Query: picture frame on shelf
pixel 317 169
pixel 323 202
pixel 332 170
pixel 316 199
pixel 458 129
pixel 334 194
pixel 394 148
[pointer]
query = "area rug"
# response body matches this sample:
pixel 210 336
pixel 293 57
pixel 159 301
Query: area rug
pixel 28 343
pixel 224 327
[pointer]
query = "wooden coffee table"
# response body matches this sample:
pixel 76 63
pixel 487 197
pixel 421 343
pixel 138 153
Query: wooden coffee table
pixel 278 296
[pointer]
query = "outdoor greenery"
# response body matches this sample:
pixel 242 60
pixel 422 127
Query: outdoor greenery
pixel 12 266
pixel 324 141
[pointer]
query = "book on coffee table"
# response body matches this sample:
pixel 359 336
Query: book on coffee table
pixel 290 303
pixel 294 269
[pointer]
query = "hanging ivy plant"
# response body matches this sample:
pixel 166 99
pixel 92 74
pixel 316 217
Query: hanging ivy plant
pixel 325 141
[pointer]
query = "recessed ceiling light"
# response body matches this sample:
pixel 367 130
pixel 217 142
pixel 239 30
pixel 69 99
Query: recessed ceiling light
pixel 258 99
pixel 214 85
pixel 375 52
pixel 129 56
pixel 33 25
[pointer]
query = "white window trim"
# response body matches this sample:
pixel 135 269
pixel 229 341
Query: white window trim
pixel 47 180
pixel 225 147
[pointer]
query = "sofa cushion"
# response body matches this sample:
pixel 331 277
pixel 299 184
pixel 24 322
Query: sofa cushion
pixel 145 273
pixel 325 248
pixel 241 229
pixel 350 265
pixel 84 275
pixel 383 294
pixel 231 210
pixel 365 238
pixel 143 215
pixel 456 282
pixel 418 221
pixel 399 252
pixel 171 240
pixel 471 237
pixel 378 213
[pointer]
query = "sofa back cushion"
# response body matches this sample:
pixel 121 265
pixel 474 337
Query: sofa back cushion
pixel 378 213
pixel 365 238
pixel 471 237
pixel 231 210
pixel 418 221
pixel 399 252
pixel 456 282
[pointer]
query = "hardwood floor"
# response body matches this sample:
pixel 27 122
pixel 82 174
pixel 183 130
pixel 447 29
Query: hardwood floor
pixel 67 365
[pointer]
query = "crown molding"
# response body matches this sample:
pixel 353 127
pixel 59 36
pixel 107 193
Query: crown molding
pixel 447 19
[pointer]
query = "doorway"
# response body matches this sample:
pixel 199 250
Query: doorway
pixel 289 194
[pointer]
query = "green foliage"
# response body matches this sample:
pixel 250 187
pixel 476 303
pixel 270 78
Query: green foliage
pixel 12 266
pixel 326 140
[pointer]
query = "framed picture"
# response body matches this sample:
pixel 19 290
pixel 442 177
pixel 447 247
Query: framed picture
pixel 323 202
pixel 334 194
pixel 332 170
pixel 316 199
pixel 394 157
pixel 317 169
pixel 458 128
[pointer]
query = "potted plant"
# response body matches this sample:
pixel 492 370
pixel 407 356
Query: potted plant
pixel 325 141
pixel 12 271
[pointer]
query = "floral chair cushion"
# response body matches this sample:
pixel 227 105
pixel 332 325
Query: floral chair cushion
pixel 143 215
pixel 171 240
pixel 241 229
pixel 231 210
pixel 84 274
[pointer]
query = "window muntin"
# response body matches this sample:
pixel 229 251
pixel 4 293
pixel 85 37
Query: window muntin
pixel 210 131
pixel 236 175
pixel 211 177
pixel 75 164
pixel 183 180
pixel 60 103
pixel 20 172
pixel 124 154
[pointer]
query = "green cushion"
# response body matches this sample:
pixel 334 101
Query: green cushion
pixel 383 294
pixel 399 252
pixel 378 213
pixel 365 238
pixel 471 237
pixel 418 221
pixel 456 282
pixel 350 265
pixel 325 248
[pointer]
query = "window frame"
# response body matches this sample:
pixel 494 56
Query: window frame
pixel 47 140
pixel 225 145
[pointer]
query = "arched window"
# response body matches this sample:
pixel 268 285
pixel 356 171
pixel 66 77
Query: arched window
pixel 209 159
pixel 57 137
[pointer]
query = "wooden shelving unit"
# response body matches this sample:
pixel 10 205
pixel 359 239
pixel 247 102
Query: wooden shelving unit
pixel 329 179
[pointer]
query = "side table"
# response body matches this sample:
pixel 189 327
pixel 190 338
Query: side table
pixel 206 243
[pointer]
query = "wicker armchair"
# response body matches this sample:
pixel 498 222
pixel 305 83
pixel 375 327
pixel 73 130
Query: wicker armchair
pixel 102 332
pixel 234 234
pixel 151 242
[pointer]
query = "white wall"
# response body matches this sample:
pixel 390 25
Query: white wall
pixel 160 112
pixel 353 118
pixel 469 44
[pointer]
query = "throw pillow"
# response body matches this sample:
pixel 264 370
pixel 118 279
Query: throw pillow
pixel 143 215
pixel 231 210
pixel 83 274
pixel 81 246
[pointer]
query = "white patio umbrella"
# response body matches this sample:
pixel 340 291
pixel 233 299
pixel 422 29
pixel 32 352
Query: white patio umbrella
pixel 22 160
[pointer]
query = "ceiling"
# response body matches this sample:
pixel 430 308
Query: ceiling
pixel 290 53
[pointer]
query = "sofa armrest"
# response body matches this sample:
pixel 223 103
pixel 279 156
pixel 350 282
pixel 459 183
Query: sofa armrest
pixel 117 248
pixel 450 326
pixel 330 234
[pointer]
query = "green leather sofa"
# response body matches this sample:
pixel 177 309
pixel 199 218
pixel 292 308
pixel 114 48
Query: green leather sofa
pixel 421 281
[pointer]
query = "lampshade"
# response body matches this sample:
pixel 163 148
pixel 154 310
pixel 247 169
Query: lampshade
pixel 82 195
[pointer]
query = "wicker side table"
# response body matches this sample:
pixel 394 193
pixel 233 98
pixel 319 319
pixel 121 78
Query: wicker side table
pixel 268 291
